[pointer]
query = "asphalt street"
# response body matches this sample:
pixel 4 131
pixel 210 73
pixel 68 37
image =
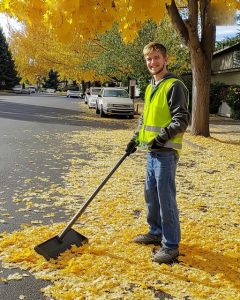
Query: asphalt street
pixel 30 149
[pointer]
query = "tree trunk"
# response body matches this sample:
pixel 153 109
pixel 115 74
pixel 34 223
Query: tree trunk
pixel 201 72
pixel 201 45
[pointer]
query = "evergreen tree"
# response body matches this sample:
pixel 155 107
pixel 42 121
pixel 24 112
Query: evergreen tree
pixel 8 73
pixel 52 82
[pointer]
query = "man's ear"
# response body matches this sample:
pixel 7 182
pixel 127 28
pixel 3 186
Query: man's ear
pixel 166 60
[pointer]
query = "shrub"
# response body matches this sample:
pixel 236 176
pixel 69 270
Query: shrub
pixel 217 96
pixel 233 100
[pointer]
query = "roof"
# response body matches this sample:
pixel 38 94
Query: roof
pixel 234 47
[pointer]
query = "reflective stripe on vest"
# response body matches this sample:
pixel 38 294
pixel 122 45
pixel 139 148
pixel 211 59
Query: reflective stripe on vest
pixel 157 129
pixel 168 144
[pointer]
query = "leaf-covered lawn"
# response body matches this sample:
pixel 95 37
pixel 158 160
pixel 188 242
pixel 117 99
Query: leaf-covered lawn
pixel 111 266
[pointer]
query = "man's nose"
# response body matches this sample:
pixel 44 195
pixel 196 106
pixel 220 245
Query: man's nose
pixel 153 61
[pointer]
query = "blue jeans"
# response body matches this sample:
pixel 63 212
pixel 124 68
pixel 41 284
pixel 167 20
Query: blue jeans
pixel 160 197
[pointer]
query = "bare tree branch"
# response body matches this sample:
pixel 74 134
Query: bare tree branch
pixel 177 21
pixel 55 62
pixel 192 25
pixel 193 14
pixel 208 27
pixel 98 43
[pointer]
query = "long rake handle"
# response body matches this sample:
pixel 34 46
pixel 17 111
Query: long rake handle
pixel 85 205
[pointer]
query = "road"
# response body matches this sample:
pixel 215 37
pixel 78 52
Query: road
pixel 30 150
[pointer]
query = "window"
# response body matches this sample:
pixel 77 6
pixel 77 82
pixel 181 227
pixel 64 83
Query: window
pixel 95 91
pixel 116 93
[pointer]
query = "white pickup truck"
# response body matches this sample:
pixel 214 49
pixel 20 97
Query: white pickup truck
pixel 114 101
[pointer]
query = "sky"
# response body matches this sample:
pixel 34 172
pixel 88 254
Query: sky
pixel 222 33
pixel 4 21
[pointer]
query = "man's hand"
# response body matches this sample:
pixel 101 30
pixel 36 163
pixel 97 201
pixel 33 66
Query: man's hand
pixel 131 146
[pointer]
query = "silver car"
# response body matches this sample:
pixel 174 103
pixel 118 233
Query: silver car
pixel 18 89
pixel 74 93
pixel 114 101
pixel 91 96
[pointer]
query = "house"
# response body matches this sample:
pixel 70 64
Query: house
pixel 226 69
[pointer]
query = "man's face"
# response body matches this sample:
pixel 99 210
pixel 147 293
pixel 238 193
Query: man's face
pixel 156 62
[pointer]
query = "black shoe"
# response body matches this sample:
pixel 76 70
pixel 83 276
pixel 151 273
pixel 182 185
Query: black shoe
pixel 147 239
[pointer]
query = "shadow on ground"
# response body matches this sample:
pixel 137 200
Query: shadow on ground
pixel 52 115
pixel 224 121
pixel 228 142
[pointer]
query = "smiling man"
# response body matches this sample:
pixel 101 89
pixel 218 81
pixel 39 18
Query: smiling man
pixel 160 131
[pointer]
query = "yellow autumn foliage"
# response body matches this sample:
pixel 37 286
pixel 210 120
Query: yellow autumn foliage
pixel 111 266
pixel 68 17
pixel 57 31
pixel 224 11
pixel 37 50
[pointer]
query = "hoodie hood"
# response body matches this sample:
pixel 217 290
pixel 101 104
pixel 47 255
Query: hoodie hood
pixel 167 76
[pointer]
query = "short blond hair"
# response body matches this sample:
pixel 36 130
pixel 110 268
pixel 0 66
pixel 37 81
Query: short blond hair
pixel 154 46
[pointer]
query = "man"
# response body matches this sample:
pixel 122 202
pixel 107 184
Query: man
pixel 161 127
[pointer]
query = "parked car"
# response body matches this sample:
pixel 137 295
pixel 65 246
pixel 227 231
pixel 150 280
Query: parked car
pixel 18 89
pixel 91 96
pixel 25 91
pixel 74 92
pixel 114 101
pixel 31 89
pixel 50 91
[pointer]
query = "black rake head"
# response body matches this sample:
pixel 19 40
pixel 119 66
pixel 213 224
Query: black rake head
pixel 53 247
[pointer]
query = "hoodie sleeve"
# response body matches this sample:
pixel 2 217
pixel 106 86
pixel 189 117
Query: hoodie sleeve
pixel 178 104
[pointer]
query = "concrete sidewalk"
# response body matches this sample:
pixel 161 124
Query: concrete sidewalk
pixel 223 124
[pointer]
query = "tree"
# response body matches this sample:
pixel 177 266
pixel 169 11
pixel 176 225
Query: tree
pixel 117 60
pixel 198 30
pixel 52 81
pixel 37 50
pixel 104 58
pixel 194 20
pixel 8 73
pixel 121 61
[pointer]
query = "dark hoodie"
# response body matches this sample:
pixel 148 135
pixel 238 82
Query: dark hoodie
pixel 177 98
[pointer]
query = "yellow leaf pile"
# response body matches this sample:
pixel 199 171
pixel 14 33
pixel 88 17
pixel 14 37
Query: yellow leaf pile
pixel 111 266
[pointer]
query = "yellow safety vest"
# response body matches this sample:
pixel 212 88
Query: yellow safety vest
pixel 156 115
